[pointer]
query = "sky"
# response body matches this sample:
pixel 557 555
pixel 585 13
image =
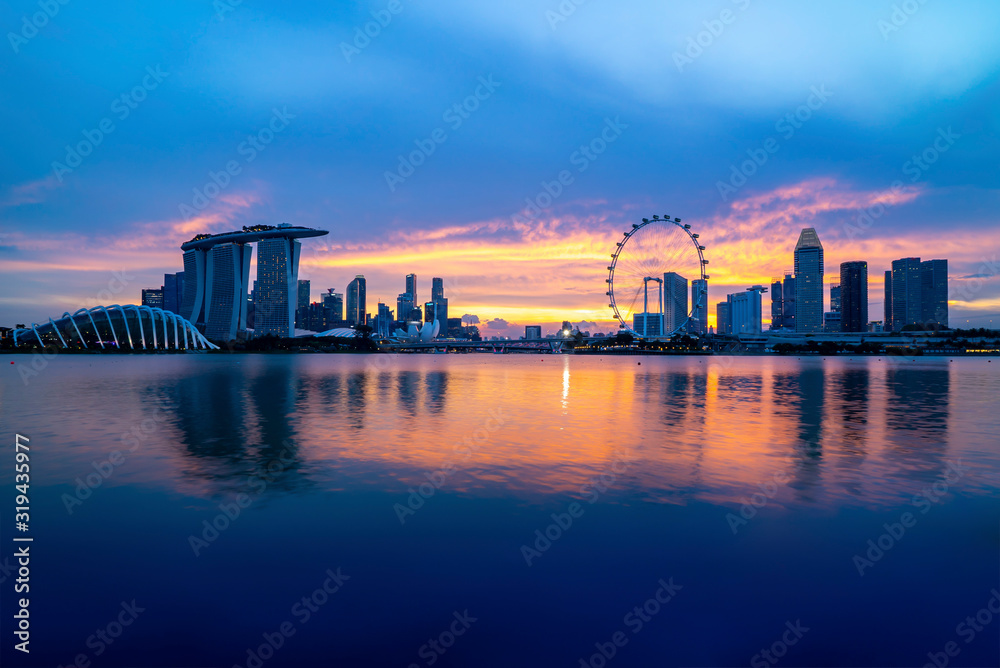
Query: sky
pixel 504 147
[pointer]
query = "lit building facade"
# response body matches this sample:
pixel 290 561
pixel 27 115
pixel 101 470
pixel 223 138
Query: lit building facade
pixel 853 296
pixel 808 282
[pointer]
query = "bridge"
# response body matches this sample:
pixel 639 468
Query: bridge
pixel 537 346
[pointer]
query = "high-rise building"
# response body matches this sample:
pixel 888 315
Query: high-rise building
pixel 532 332
pixel 853 296
pixel 887 310
pixel 441 314
pixel 302 304
pixel 835 298
pixel 226 280
pixel 777 303
pixel 429 312
pixel 193 303
pixel 723 321
pixel 333 306
pixel 404 305
pixel 152 297
pixel 675 302
pixel 216 277
pixel 808 282
pixel 744 310
pixel 906 283
pixel 831 321
pixel 648 324
pixel 357 308
pixel 699 306
pixel 788 302
pixel 411 287
pixel 440 304
pixel 173 292
pixel 383 320
pixel 277 286
pixel 934 292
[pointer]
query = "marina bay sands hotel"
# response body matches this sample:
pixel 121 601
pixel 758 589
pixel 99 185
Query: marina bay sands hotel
pixel 217 279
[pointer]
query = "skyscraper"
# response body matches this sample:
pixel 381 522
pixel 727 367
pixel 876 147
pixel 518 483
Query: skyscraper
pixel 333 307
pixel 302 304
pixel 226 279
pixel 675 301
pixel 440 304
pixel 808 282
pixel 906 283
pixel 152 297
pixel 277 286
pixel 744 310
pixel 934 292
pixel 357 309
pixel 699 306
pixel 777 303
pixel 216 276
pixel 723 322
pixel 854 296
pixel 173 292
pixel 193 303
pixel 835 298
pixel 788 302
pixel 411 287
pixel 887 310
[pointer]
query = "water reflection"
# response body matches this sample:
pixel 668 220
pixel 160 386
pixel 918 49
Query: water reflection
pixel 843 431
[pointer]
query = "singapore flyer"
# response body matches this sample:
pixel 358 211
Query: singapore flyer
pixel 657 285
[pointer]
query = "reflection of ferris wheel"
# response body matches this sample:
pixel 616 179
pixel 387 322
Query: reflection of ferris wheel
pixel 665 253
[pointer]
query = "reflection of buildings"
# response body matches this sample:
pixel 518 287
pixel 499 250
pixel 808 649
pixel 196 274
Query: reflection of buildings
pixel 917 419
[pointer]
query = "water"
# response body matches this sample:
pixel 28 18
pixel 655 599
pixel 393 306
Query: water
pixel 742 491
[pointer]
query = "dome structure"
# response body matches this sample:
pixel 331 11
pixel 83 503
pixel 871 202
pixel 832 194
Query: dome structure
pixel 117 327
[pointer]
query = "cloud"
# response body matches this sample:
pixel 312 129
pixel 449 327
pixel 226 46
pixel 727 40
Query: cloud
pixel 498 323
pixel 470 319
pixel 32 192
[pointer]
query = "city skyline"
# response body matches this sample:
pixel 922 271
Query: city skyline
pixel 466 213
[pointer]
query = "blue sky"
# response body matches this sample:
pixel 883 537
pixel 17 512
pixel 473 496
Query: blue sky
pixel 885 81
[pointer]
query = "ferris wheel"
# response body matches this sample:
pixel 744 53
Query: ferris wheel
pixel 651 279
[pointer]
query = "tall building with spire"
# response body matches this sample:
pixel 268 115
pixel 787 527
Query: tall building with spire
pixel 808 282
